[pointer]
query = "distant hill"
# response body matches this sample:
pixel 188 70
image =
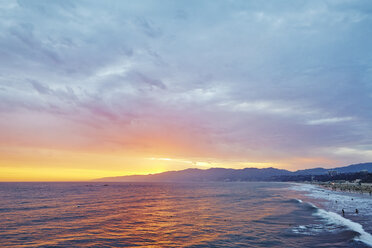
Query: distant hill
pixel 198 175
pixel 355 168
pixel 221 174
pixel 314 171
pixel 346 169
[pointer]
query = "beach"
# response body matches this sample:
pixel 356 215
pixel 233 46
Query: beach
pixel 362 188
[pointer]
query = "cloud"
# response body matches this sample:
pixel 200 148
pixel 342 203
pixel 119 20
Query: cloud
pixel 246 80
pixel 44 90
pixel 329 120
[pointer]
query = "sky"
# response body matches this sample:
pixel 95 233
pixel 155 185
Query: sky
pixel 90 89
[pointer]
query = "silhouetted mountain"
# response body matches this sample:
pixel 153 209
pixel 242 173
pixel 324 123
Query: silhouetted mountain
pixel 198 175
pixel 355 168
pixel 346 169
pixel 314 171
pixel 221 174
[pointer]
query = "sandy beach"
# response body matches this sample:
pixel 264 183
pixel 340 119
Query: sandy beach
pixel 363 188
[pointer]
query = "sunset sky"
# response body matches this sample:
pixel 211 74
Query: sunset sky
pixel 90 89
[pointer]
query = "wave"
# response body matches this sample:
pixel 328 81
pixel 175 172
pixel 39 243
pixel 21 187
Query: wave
pixel 336 219
pixel 24 208
pixel 293 201
pixel 310 229
pixel 311 206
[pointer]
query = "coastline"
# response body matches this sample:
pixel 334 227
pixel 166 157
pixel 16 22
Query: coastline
pixel 329 206
pixel 363 188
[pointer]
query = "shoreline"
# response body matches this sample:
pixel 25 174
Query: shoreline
pixel 364 188
pixel 335 202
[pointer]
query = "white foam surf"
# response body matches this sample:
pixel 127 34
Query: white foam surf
pixel 310 230
pixel 338 200
pixel 337 220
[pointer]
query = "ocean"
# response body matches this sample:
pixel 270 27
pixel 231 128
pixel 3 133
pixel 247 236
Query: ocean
pixel 227 214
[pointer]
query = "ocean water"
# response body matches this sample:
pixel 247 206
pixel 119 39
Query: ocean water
pixel 181 215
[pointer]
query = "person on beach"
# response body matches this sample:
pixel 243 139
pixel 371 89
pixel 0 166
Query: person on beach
pixel 343 212
pixel 356 211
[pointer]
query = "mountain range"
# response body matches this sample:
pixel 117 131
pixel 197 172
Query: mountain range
pixel 222 174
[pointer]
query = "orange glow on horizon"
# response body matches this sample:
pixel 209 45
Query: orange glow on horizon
pixel 36 164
